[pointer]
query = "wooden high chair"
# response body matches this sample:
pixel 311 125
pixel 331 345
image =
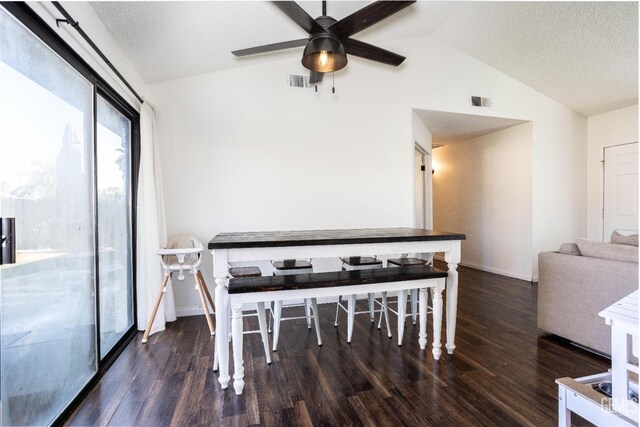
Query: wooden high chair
pixel 183 252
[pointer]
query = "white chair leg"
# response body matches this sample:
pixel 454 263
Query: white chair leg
pixel 316 319
pixel 270 317
pixel 307 312
pixel 383 308
pixel 386 314
pixel 337 311
pixel 262 321
pixel 276 323
pixel 351 308
pixel 371 296
pixel 402 311
pixel 414 305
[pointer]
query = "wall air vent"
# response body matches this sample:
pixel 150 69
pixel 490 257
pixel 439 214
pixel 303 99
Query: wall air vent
pixel 299 81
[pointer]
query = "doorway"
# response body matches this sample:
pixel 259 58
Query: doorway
pixel 620 198
pixel 420 186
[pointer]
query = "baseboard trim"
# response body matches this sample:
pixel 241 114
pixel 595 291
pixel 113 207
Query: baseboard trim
pixel 189 311
pixel 493 270
pixel 497 271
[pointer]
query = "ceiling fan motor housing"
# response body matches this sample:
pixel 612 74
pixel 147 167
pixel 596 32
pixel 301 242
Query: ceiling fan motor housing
pixel 325 21
pixel 324 54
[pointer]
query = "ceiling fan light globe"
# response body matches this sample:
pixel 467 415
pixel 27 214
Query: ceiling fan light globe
pixel 324 54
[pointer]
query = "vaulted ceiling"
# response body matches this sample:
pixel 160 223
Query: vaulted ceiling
pixel 582 54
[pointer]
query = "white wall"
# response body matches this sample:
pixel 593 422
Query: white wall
pixel 242 151
pixel 482 188
pixel 612 128
pixel 91 24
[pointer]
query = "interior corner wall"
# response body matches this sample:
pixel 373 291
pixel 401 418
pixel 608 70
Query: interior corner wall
pixel 603 130
pixel 242 151
pixel 95 29
pixel 482 187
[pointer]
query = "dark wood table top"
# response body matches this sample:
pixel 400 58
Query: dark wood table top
pixel 268 239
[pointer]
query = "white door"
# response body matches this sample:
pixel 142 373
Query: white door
pixel 620 189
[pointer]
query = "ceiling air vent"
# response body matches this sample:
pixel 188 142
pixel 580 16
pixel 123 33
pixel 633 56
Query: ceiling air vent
pixel 478 101
pixel 299 81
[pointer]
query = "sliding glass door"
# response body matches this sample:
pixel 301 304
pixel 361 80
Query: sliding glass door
pixel 66 178
pixel 46 179
pixel 114 224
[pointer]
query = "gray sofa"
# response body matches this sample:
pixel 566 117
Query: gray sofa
pixel 579 281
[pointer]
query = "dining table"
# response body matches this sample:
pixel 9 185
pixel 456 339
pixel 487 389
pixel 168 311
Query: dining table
pixel 239 247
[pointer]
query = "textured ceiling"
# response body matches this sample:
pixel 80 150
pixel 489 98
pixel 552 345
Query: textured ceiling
pixel 583 54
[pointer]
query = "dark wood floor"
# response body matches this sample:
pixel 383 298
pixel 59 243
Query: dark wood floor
pixel 502 373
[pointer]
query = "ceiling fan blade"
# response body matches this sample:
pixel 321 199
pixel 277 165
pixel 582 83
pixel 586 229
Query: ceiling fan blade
pixel 299 16
pixel 271 47
pixel 374 53
pixel 366 17
pixel 315 77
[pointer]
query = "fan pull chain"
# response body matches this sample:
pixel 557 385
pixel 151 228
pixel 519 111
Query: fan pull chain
pixel 333 82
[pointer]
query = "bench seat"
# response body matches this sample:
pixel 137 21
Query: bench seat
pixel 333 279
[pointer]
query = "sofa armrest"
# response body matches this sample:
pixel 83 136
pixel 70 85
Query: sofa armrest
pixel 572 290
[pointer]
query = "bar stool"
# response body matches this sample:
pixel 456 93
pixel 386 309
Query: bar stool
pixel 351 264
pixel 183 252
pixel 402 314
pixel 290 267
pixel 242 272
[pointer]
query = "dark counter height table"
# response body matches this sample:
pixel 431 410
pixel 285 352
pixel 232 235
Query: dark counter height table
pixel 256 246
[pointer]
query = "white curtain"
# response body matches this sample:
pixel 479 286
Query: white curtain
pixel 151 229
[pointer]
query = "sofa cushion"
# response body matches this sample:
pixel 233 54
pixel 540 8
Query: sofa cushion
pixel 621 239
pixel 569 249
pixel 605 250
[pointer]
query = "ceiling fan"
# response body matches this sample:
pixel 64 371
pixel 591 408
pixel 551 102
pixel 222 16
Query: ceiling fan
pixel 330 40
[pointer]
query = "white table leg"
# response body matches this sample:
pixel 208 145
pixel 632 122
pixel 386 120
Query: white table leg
pixel 262 321
pixel 564 414
pixel 222 335
pixel 436 298
pixel 402 312
pixel 619 380
pixel 351 314
pixel 452 306
pixel 237 340
pixel 423 318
